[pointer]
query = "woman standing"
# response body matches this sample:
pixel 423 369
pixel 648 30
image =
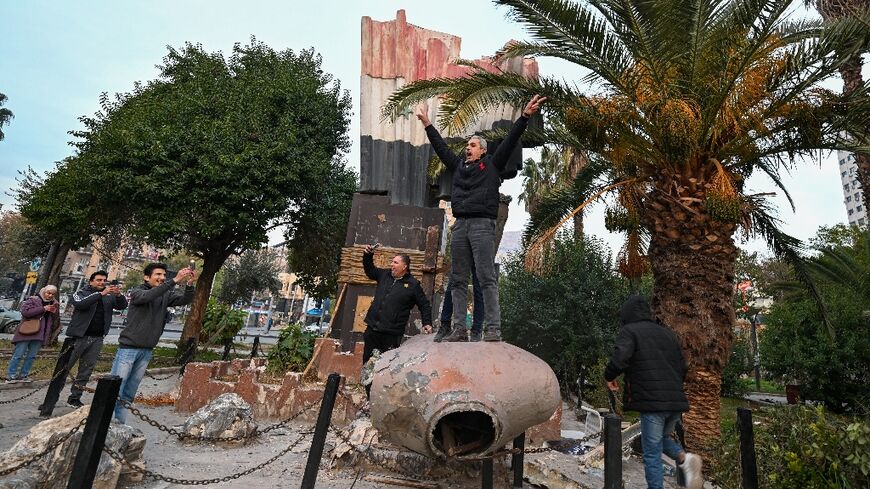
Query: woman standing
pixel 45 308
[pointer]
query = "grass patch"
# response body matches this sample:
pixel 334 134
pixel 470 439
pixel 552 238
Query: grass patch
pixel 767 386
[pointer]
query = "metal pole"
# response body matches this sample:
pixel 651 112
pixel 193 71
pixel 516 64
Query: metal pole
pixel 255 346
pixel 94 436
pixel 486 474
pixel 227 345
pixel 748 466
pixel 612 452
pixel 756 364
pixel 58 378
pixel 517 459
pixel 320 429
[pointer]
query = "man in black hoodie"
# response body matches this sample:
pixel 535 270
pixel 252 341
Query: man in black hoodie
pixel 649 355
pixel 474 203
pixel 396 293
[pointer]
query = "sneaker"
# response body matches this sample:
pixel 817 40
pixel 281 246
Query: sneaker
pixel 74 403
pixel 458 334
pixel 443 331
pixel 476 335
pixel 25 380
pixel 492 334
pixel 11 381
pixel 691 468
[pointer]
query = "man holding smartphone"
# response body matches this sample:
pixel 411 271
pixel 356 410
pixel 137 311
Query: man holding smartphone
pixel 90 323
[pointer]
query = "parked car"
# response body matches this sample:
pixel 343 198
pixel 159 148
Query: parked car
pixel 315 328
pixel 9 320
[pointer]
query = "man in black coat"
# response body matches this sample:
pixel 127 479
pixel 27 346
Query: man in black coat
pixel 474 202
pixel 396 294
pixel 650 356
pixel 90 323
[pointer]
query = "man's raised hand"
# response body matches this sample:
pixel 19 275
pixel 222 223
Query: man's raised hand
pixel 422 113
pixel 534 105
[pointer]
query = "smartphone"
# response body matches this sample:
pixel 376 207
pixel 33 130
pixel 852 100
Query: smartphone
pixel 114 282
pixel 193 264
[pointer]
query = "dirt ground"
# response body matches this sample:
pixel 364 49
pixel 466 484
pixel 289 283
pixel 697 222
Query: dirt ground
pixel 165 455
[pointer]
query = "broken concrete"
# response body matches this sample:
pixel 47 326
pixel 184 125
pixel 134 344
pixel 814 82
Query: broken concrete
pixel 227 416
pixel 53 469
pixel 460 399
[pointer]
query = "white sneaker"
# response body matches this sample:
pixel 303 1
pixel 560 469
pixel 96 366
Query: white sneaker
pixel 11 381
pixel 691 468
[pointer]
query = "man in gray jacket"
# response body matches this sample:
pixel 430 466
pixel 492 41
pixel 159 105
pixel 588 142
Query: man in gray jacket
pixel 90 323
pixel 145 323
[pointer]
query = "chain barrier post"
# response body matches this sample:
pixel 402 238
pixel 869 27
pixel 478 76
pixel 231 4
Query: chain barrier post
pixel 748 463
pixel 227 346
pixel 320 429
pixel 612 452
pixel 486 474
pixel 94 436
pixel 517 459
pixel 255 347
pixel 681 436
pixel 58 379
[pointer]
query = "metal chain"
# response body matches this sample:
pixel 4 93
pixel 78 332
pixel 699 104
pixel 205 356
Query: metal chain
pixel 202 482
pixel 34 391
pixel 49 448
pixel 186 436
pixel 173 374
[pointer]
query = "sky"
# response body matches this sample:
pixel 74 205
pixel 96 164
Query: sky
pixel 56 58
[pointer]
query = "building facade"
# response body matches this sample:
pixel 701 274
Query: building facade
pixel 853 194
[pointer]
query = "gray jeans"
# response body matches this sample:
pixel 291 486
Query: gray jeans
pixel 473 245
pixel 86 351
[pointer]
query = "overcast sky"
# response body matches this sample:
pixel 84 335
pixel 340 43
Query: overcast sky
pixel 57 57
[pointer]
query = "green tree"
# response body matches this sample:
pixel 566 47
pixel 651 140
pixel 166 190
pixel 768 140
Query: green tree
pixel 5 115
pixel 20 242
pixel 557 169
pixel 254 271
pixel 688 99
pixel 567 314
pixel 216 152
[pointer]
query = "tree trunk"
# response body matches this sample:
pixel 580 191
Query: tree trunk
pixel 42 280
pixel 579 161
pixel 692 258
pixel 852 80
pixel 193 325
pixel 57 266
pixel 578 226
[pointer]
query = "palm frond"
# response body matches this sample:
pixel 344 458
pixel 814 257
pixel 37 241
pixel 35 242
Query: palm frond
pixel 790 250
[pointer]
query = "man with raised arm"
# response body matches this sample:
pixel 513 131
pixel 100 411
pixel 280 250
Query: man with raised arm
pixel 474 202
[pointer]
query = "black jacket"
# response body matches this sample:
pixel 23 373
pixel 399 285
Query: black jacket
pixel 394 299
pixel 476 183
pixel 649 355
pixel 85 304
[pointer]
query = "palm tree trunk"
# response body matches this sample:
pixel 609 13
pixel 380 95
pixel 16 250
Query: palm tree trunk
pixel 692 258
pixel 852 80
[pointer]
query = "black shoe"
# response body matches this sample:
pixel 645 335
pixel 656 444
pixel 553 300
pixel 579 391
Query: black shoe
pixel 476 335
pixel 442 332
pixel 492 334
pixel 74 403
pixel 458 334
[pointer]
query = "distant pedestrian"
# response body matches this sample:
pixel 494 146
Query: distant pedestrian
pixel 44 309
pixel 146 318
pixel 90 323
pixel 396 293
pixel 650 356
pixel 474 203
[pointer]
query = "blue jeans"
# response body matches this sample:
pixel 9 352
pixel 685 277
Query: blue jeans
pixel 656 430
pixel 477 312
pixel 473 248
pixel 26 350
pixel 130 365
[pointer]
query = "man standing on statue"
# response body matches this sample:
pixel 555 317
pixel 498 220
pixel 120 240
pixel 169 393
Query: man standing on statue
pixel 474 203
pixel 146 319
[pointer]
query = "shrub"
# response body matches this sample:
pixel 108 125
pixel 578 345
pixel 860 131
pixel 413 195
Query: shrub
pixel 221 323
pixel 292 351
pixel 739 363
pixel 799 447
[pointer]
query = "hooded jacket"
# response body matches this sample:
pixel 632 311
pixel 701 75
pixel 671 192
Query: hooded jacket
pixel 85 305
pixel 476 183
pixel 146 316
pixel 650 356
pixel 394 299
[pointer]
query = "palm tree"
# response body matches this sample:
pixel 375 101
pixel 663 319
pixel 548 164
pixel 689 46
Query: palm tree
pixel 5 116
pixel 557 169
pixel 850 72
pixel 688 99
